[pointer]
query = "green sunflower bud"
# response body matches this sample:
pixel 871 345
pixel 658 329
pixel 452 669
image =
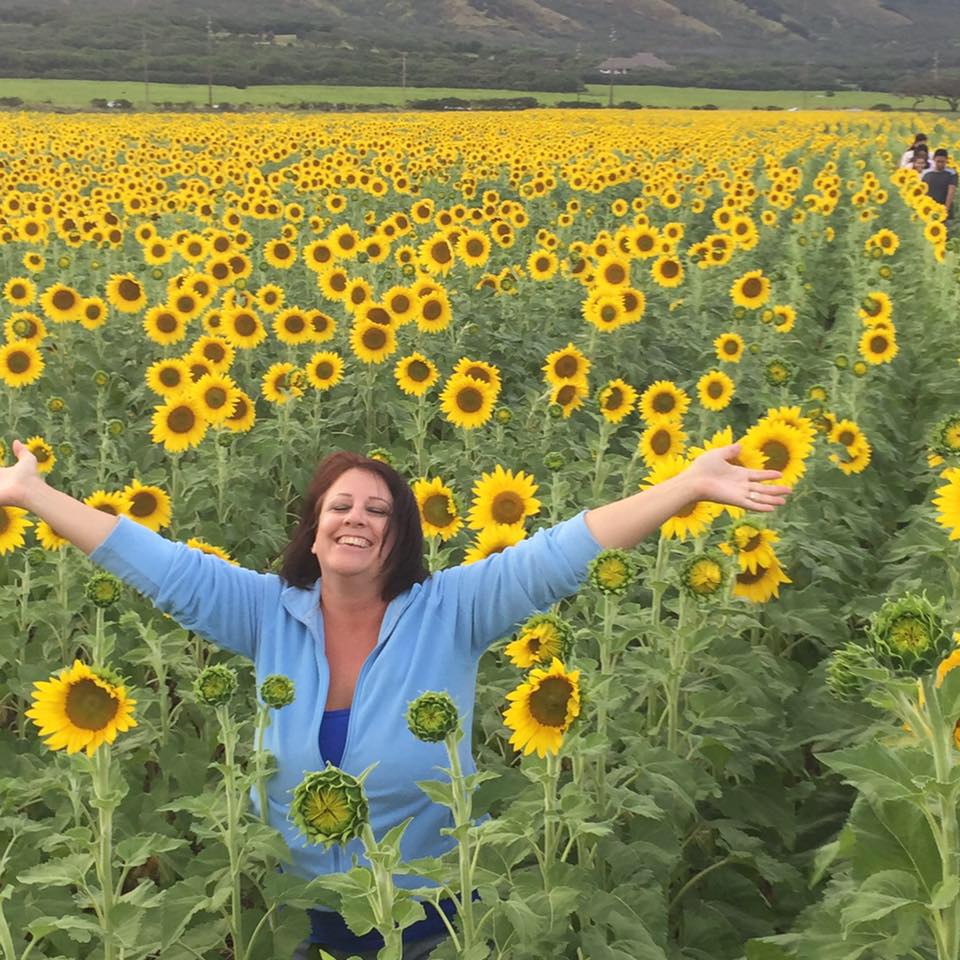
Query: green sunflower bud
pixel 116 428
pixel 554 461
pixel 907 635
pixel 841 361
pixel 215 685
pixel 103 590
pixel 504 415
pixel 778 372
pixel 56 405
pixel 378 453
pixel 704 575
pixel 101 378
pixel 65 449
pixel 329 807
pixel 612 571
pixel 277 691
pixel 945 436
pixel 845 672
pixel 64 262
pixel 432 717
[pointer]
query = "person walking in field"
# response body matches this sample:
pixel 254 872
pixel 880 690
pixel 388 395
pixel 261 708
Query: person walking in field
pixel 941 182
pixel 362 628
pixel 919 141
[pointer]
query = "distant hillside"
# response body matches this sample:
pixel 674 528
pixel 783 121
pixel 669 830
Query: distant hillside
pixel 532 44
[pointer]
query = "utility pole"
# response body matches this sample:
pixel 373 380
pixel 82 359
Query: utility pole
pixel 613 37
pixel 936 67
pixel 146 65
pixel 403 70
pixel 576 67
pixel 209 63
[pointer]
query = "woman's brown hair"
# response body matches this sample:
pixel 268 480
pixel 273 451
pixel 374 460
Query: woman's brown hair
pixel 404 564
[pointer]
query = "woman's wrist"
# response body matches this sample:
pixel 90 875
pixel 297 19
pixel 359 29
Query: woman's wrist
pixel 34 489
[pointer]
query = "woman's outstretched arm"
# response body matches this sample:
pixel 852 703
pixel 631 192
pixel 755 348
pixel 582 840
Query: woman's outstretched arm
pixel 21 485
pixel 624 523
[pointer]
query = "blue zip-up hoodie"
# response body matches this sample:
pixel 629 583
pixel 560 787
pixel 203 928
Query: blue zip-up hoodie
pixel 431 638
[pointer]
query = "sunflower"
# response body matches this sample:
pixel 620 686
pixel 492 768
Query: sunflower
pixel 213 350
pixel 281 383
pixel 569 396
pixel 854 458
pixel 605 310
pixel 473 248
pixel 114 503
pixel 542 638
pixel 168 377
pixel 715 390
pixel 344 242
pixel 333 283
pixel 782 447
pixel 502 498
pixel 692 520
pixel 542 265
pixel 663 401
pixel 43 452
pixel 93 313
pixel 754 546
pixel 878 346
pixel 148 505
pixel 179 424
pixel 244 414
pixel 371 342
pixel 566 365
pixel 198 543
pixel 415 374
pixel 126 293
pixel 612 271
pixel 667 272
pixel 324 370
pixel 438 509
pixel 400 304
pixel 19 291
pixel 61 303
pixel 874 307
pixel 616 400
pixel 280 254
pixel 357 295
pixel 215 393
pixel 729 347
pixel 466 402
pixel 486 373
pixel 163 326
pixel 186 304
pixel 661 441
pixel 433 312
pixel 543 708
pixel 80 709
pixel 761 584
pixel 492 540
pixel 20 363
pixel 13 522
pixel 25 326
pixel 48 538
pixel 242 327
pixel 947 502
pixel 750 290
pixel 293 326
pixel 158 251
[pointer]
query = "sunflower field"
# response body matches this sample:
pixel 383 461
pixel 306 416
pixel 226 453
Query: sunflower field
pixel 738 741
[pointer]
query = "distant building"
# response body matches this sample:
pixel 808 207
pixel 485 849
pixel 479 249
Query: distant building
pixel 621 66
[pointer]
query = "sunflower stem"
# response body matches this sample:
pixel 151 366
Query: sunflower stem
pixel 462 816
pixel 678 663
pixel 606 670
pixel 6 938
pixel 105 804
pixel 97 654
pixel 383 900
pixel 228 736
pixel 419 436
pixel 550 821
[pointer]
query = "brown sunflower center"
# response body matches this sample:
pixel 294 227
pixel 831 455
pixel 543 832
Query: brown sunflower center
pixel 400 303
pixel 776 455
pixel 878 343
pixel 181 420
pixel 661 442
pixel 608 313
pixel 18 291
pixel 440 252
pixel 614 399
pixel 507 507
pixel 18 361
pixel 281 251
pixel 566 394
pixel 436 510
pixel 566 367
pixel 186 304
pixel 730 346
pixel 469 400
pixel 323 370
pixel 752 288
pixel 90 707
pixel 41 453
pixel 374 338
pixel 846 437
pixel 320 322
pixel 128 290
pixel 4 520
pixel 748 579
pixel 753 543
pixel 295 323
pixel 166 323
pixel 474 248
pixel 239 409
pixel 379 315
pixel 548 703
pixel 245 324
pixel 215 397
pixel 170 377
pixel 418 371
pixel 64 300
pixel 614 274
pixel 143 503
pixel 714 389
pixel 432 310
pixel 664 402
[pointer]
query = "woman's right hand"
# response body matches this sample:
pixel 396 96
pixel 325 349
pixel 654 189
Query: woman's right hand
pixel 15 481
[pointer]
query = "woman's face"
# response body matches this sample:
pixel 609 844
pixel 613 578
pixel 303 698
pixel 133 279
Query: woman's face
pixel 353 526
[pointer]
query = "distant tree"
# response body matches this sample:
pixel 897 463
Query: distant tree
pixel 944 88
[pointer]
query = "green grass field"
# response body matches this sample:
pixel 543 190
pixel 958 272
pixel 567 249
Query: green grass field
pixel 79 93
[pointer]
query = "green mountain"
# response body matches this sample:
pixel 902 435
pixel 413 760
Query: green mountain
pixel 538 44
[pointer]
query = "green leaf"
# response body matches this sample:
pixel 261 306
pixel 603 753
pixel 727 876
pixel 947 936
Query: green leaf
pixel 134 851
pixel 879 896
pixel 78 929
pixel 66 871
pixel 761 950
pixel 437 791
pixel 879 772
pixel 945 894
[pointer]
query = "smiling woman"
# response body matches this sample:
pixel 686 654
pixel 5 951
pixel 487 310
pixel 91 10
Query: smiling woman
pixel 362 629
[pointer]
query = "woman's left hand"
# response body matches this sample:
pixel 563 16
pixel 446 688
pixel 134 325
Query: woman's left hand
pixel 715 478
